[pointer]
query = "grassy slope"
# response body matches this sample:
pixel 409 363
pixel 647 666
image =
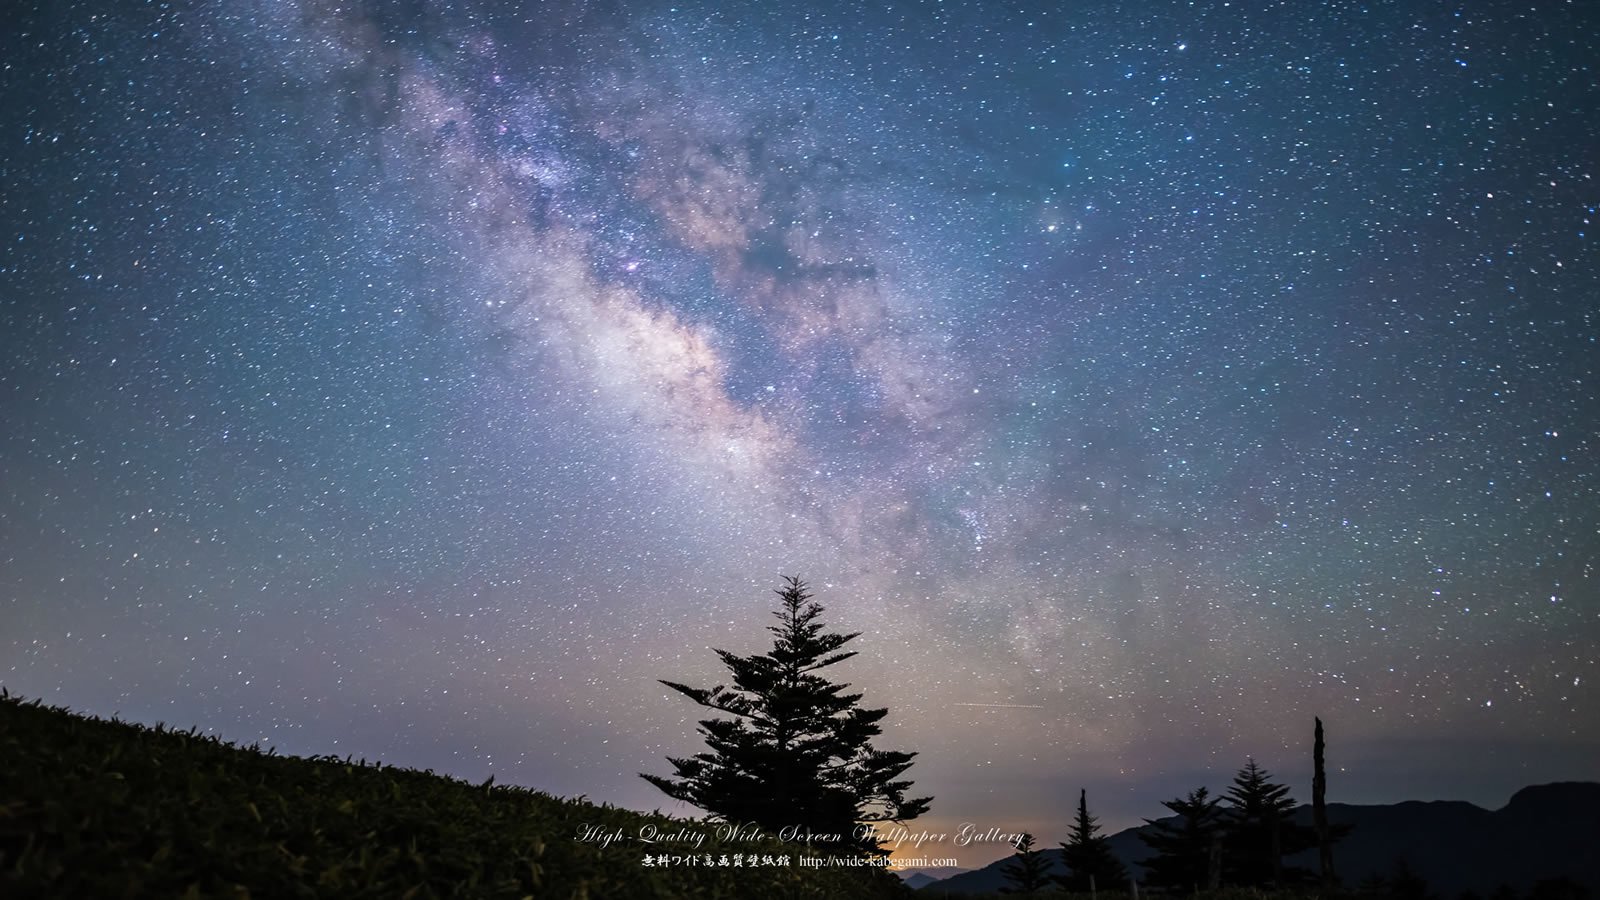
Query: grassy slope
pixel 90 808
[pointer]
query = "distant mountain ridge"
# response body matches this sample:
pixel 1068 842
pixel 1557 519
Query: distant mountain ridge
pixel 916 878
pixel 1544 831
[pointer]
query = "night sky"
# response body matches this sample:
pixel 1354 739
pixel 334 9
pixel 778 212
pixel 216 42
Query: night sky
pixel 423 381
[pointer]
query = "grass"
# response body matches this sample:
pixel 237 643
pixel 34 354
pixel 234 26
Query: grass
pixel 95 808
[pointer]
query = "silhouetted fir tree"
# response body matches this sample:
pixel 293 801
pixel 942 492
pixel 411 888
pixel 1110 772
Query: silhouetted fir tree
pixel 1027 872
pixel 797 753
pixel 1260 832
pixel 1183 849
pixel 1088 856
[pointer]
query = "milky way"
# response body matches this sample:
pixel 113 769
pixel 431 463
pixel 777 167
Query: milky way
pixel 422 382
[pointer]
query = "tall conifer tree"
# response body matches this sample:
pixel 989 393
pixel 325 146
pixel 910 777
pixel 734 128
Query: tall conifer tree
pixel 1091 867
pixel 797 752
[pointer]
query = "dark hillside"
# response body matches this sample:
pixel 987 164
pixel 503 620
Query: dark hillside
pixel 91 808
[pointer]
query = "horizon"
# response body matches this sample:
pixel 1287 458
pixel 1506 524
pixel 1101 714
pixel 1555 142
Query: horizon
pixel 426 381
pixel 981 842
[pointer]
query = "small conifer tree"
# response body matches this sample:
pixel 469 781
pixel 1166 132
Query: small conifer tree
pixel 1261 831
pixel 1183 859
pixel 1028 871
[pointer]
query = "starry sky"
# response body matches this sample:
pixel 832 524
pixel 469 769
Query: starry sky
pixel 422 381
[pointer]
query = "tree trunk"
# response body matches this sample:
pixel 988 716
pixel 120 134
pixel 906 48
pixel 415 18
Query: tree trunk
pixel 1275 846
pixel 1319 808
